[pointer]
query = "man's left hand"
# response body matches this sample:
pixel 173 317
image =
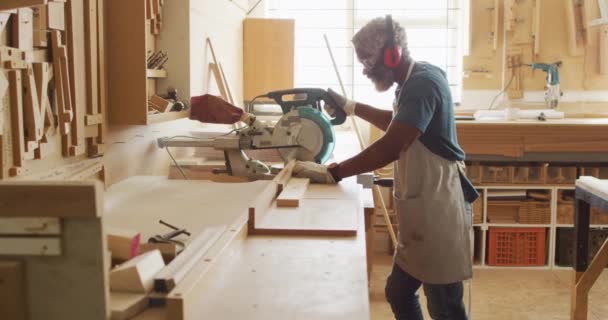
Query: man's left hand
pixel 317 173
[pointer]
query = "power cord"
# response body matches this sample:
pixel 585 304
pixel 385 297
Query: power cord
pixel 502 92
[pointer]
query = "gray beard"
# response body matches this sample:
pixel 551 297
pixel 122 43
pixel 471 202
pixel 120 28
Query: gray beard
pixel 382 77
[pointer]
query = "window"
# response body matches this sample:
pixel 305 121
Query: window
pixel 433 29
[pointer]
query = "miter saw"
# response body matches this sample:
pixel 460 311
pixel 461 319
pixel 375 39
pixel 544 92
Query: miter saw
pixel 303 132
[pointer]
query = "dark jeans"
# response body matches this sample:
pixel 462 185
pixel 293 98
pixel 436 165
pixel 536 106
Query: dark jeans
pixel 444 301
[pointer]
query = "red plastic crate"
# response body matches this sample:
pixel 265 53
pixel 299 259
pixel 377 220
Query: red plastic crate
pixel 517 247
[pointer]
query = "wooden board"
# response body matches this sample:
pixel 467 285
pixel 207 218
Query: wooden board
pixel 15 4
pixel 12 291
pixel 268 45
pixel 125 306
pixel 59 199
pixel 137 275
pixel 293 192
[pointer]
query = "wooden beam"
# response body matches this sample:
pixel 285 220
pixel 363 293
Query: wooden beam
pixel 12 291
pixel 177 270
pixel 125 306
pixel 59 198
pixel 17 120
pixel 137 274
pixel 16 4
pixel 293 192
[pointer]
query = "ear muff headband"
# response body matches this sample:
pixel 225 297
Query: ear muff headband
pixel 392 57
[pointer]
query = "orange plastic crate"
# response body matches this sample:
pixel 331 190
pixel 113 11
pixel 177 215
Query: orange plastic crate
pixel 517 247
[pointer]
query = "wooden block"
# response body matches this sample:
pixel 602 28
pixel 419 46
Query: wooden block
pixel 160 103
pixel 38 246
pixel 25 226
pixel 91 120
pixel 170 276
pixel 59 198
pixel 124 306
pixel 15 65
pixel 23 29
pixel 167 250
pixel 55 16
pixel 123 243
pixel 603 44
pixel 15 4
pixel 137 274
pixel 293 192
pixel 40 26
pixel 12 291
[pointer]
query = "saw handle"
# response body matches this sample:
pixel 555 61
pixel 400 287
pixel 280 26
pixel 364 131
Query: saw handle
pixel 307 97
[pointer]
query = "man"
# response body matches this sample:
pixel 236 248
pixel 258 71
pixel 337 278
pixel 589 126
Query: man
pixel 432 194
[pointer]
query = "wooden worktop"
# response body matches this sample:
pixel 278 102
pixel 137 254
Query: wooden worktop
pixel 515 139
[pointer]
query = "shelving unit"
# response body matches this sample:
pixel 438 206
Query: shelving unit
pixel 481 229
pixel 130 83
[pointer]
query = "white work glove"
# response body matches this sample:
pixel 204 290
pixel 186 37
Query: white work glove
pixel 347 105
pixel 317 173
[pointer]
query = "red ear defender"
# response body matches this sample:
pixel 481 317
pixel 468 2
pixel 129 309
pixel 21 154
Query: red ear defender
pixel 392 56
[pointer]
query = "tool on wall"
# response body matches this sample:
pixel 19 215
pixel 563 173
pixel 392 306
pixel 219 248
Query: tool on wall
pixel 553 93
pixel 303 133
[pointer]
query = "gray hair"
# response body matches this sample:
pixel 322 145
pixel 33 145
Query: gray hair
pixel 370 39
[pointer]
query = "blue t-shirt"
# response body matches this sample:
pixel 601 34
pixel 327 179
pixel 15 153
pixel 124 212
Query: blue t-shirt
pixel 427 105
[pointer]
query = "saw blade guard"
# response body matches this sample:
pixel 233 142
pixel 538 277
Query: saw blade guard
pixel 314 133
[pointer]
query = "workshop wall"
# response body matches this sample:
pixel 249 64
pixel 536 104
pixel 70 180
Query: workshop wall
pixel 537 31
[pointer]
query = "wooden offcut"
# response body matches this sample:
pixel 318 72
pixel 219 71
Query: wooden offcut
pixel 123 243
pixel 12 291
pixel 161 104
pixel 125 306
pixel 293 192
pixel 137 275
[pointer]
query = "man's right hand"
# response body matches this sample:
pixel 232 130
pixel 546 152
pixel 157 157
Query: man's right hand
pixel 341 102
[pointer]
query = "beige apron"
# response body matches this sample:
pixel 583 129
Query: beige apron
pixel 435 236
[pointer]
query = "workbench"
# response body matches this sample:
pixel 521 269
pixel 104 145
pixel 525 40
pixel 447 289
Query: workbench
pixel 256 276
pixel 589 192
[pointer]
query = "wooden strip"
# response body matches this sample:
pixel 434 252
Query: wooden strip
pixel 12 291
pixel 218 80
pixel 59 198
pixel 40 26
pixel 177 270
pixel 62 87
pixel 125 306
pixel 101 72
pixel 77 72
pixel 92 76
pixel 293 192
pixel 23 29
pixel 17 118
pixel 39 246
pixel 137 274
pixel 15 4
pixel 24 226
pixel 282 177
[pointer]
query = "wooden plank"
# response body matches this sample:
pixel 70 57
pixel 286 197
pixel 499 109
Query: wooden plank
pixel 101 71
pixel 23 29
pixel 77 71
pixel 39 246
pixel 56 15
pixel 62 84
pixel 32 226
pixel 123 243
pixel 92 61
pixel 137 275
pixel 125 306
pixel 15 4
pixel 293 192
pixel 12 291
pixel 268 45
pixel 58 198
pixel 177 270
